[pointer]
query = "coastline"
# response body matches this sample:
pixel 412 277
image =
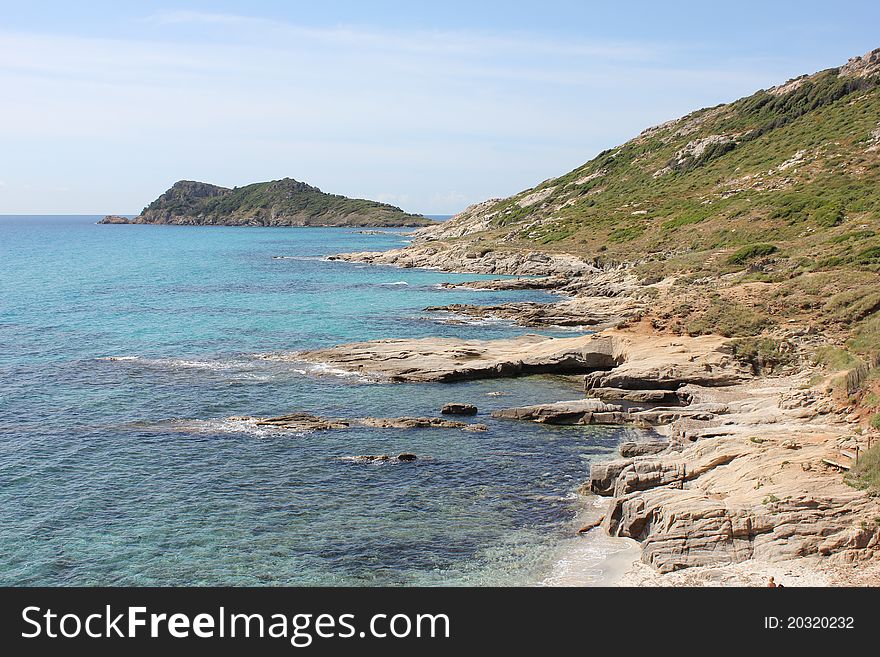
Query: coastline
pixel 706 510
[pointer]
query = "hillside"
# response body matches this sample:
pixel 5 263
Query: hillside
pixel 284 202
pixel 757 212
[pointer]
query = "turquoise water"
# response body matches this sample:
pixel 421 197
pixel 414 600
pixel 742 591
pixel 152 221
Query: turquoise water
pixel 123 349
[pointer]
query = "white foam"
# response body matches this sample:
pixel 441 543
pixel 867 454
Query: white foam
pixel 235 426
pixel 180 363
pixel 307 368
pixel 594 559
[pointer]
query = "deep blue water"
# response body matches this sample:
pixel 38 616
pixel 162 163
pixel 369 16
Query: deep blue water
pixel 123 349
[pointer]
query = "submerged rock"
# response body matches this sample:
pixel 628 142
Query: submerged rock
pixel 404 457
pixel 419 423
pixel 307 422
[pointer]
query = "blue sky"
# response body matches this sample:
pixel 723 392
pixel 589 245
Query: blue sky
pixel 430 106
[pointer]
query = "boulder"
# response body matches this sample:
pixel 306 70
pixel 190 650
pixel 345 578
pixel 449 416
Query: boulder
pixel 632 448
pixel 453 408
pixel 603 475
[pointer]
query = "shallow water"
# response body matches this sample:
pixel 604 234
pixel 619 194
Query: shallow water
pixel 123 349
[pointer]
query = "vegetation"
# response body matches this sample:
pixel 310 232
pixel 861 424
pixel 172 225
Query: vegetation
pixel 776 194
pixel 762 354
pixel 865 474
pixel 751 252
pixel 279 202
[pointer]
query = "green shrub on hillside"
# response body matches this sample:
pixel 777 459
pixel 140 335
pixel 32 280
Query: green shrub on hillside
pixel 751 252
pixel 865 474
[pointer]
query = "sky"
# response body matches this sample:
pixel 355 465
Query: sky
pixel 429 106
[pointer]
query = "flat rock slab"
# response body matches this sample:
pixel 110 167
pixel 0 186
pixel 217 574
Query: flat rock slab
pixel 449 359
pixel 640 396
pixel 539 283
pixel 297 422
pixel 610 359
pixel 630 448
pixel 578 411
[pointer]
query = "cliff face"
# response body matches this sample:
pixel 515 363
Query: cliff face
pixel 284 202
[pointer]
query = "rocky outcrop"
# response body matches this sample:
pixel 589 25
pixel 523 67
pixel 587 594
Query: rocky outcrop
pixel 667 364
pixel 296 422
pixel 474 259
pixel 454 408
pixel 578 411
pixel 115 219
pixel 758 491
pixel 633 361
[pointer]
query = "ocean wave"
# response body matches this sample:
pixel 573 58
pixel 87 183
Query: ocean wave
pixel 179 363
pixel 466 320
pixel 378 461
pixel 308 368
pixel 393 284
pixel 307 258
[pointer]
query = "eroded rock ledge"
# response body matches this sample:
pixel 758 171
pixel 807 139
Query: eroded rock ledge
pixel 752 485
pixel 735 468
pixel 627 360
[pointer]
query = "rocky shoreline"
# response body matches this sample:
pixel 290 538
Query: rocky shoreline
pixel 745 471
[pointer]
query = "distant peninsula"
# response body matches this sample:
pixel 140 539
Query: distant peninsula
pixel 286 202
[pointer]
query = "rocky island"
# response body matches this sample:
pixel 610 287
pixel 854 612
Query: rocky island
pixel 729 262
pixel 284 202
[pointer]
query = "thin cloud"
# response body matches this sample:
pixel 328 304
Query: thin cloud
pixel 359 110
pixel 425 41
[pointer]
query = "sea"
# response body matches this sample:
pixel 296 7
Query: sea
pixel 126 349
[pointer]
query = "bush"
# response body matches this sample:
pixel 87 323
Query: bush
pixel 835 359
pixel 732 320
pixel 865 474
pixel 751 252
pixel 761 354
